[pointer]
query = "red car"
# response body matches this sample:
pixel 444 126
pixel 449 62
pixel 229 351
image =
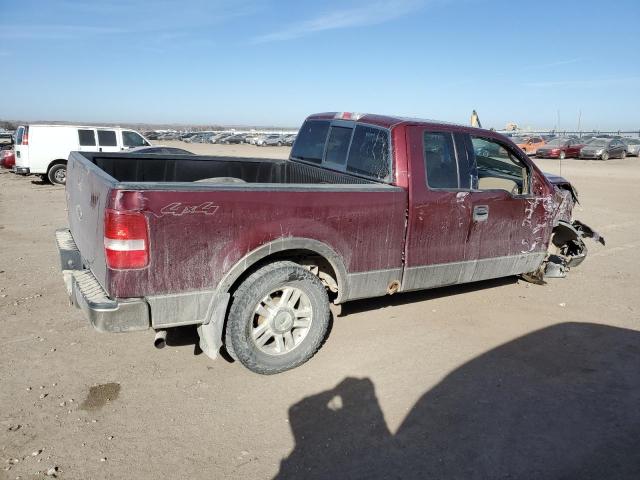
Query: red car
pixel 561 147
pixel 7 158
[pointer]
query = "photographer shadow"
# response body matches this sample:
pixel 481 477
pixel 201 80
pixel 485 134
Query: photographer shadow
pixel 562 402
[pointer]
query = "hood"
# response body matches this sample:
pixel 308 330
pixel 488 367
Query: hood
pixel 562 182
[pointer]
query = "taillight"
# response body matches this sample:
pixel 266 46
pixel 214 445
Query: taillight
pixel 25 136
pixel 126 242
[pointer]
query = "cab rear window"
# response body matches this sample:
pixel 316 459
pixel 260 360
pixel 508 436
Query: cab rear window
pixel 360 149
pixel 369 153
pixel 309 145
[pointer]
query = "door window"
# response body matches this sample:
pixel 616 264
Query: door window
pixel 132 139
pixel 107 138
pixel 440 161
pixel 498 168
pixel 86 138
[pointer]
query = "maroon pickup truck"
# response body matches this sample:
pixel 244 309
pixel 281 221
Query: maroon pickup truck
pixel 252 251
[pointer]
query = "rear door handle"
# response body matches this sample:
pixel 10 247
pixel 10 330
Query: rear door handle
pixel 480 213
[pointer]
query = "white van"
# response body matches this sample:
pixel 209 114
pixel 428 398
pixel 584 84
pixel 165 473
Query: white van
pixel 44 149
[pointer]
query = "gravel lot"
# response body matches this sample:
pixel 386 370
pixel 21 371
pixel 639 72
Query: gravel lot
pixel 495 379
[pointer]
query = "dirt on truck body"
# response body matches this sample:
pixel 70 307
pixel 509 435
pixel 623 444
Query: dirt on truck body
pixel 253 250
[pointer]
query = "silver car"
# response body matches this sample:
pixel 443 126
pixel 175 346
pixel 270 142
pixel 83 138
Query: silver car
pixel 633 146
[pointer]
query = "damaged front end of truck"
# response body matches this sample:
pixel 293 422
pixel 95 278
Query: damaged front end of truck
pixel 567 248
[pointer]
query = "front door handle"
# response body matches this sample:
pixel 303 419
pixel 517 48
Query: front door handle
pixel 480 213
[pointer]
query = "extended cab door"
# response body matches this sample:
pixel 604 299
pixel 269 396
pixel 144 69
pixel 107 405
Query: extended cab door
pixel 439 208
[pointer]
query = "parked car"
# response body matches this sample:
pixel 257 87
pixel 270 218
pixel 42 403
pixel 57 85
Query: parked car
pixel 252 137
pixel 7 158
pixel 633 146
pixel 202 137
pixel 44 149
pixel 530 145
pixel 220 137
pixel 168 136
pixel 151 135
pixel 184 136
pixel 271 140
pixel 6 140
pixel 289 139
pixel 161 150
pixel 561 147
pixel 235 139
pixel 396 205
pixel 604 149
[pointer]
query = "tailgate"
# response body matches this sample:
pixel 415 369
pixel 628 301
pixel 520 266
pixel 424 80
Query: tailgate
pixel 88 190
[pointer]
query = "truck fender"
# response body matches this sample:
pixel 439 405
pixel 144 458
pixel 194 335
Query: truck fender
pixel 282 245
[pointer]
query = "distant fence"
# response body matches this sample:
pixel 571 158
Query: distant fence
pixel 578 133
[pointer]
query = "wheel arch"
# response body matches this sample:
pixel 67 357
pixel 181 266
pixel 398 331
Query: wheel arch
pixel 58 161
pixel 287 249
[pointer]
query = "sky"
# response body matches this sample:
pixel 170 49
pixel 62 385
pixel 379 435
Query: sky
pixel 541 64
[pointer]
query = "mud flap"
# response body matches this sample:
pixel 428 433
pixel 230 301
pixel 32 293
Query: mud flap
pixel 210 333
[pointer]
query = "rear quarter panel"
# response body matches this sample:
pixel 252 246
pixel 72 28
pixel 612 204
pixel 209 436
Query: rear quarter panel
pixel 197 236
pixel 88 191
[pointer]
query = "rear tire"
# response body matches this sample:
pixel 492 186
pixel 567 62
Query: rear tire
pixel 278 319
pixel 57 174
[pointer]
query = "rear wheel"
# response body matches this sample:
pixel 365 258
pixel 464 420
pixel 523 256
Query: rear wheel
pixel 57 174
pixel 278 319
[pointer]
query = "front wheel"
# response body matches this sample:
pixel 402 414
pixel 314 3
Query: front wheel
pixel 278 318
pixel 605 156
pixel 623 155
pixel 58 174
pixel 562 155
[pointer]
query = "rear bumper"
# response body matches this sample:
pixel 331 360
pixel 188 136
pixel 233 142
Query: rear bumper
pixel 21 170
pixel 84 291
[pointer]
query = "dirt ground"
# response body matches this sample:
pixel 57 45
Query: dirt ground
pixel 495 379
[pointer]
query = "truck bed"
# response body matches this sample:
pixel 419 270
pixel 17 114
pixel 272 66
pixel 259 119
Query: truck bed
pixel 199 230
pixel 181 168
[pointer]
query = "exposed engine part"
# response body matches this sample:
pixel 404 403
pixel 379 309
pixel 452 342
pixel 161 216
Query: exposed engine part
pixel 567 248
pixel 555 267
